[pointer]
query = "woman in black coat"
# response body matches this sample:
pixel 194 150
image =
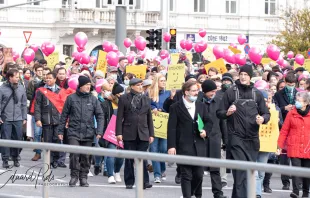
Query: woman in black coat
pixel 184 138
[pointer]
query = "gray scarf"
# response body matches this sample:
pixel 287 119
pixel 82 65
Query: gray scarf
pixel 136 100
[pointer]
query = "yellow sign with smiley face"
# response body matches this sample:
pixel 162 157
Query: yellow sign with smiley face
pixel 160 121
pixel 175 78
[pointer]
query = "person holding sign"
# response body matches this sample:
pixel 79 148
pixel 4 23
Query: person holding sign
pixel 295 138
pixel 185 138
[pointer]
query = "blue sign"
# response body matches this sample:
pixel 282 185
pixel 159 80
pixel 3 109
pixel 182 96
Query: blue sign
pixel 246 49
pixel 309 52
pixel 190 37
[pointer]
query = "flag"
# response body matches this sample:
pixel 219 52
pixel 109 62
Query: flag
pixel 200 123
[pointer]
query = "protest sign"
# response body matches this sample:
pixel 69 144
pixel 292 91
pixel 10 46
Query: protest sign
pixel 160 124
pixel 219 64
pixel 102 62
pixel 175 78
pixel 139 71
pixel 109 134
pixel 52 60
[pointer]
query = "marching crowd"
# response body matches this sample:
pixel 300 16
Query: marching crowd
pixel 213 115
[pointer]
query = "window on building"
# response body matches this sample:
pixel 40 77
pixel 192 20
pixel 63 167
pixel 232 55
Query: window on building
pixel 199 5
pixel 231 6
pixel 172 5
pixel 1 1
pixel 68 50
pixel 270 7
pixel 66 3
pixel 134 4
pixel 103 3
pixel 36 3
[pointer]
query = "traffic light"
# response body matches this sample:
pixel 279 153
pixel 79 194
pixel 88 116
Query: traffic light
pixel 173 40
pixel 150 38
pixel 158 38
pixel 76 5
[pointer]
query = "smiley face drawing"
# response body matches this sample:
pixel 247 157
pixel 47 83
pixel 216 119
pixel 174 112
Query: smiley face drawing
pixel 159 123
pixel 176 78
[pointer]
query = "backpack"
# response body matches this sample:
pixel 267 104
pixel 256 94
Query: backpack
pixel 237 95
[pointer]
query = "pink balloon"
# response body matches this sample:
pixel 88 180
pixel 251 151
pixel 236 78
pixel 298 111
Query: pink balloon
pixel 290 54
pixel 80 49
pixel 167 37
pixel 99 84
pixel 280 61
pixel 112 59
pixel 285 64
pixel 80 39
pixel 119 54
pixel 84 59
pixel 255 55
pixel 233 45
pixel 43 48
pixel 127 42
pixel 242 39
pixel 240 59
pixel 140 43
pixel 28 55
pixel 107 46
pixel 93 59
pixel 73 81
pixel 34 47
pixel 141 54
pixel 164 54
pixel 49 48
pixel 218 51
pixel 15 55
pixel 202 45
pixel 229 56
pixel 182 44
pixel 196 48
pixel 202 32
pixel 132 53
pixel 261 85
pixel 188 45
pixel 115 48
pixel 130 58
pixel 273 52
pixel 299 59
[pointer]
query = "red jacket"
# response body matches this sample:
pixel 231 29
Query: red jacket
pixel 295 135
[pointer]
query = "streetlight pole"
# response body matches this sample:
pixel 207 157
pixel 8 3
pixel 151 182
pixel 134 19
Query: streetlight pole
pixel 120 27
pixel 21 4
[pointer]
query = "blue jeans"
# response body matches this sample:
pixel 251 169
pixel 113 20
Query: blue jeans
pixel 159 145
pixel 37 134
pixel 11 130
pixel 262 157
pixel 113 164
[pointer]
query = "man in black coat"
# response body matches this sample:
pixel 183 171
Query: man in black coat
pixel 46 115
pixel 185 138
pixel 215 135
pixel 80 109
pixel 134 126
pixel 245 109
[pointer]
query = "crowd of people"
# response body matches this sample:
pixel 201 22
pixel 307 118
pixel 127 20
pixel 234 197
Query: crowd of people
pixel 212 115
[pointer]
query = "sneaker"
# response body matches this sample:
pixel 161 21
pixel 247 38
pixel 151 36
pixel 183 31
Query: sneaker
pixel 267 189
pixel 177 179
pixel 286 187
pixel 205 173
pixel 224 184
pixel 305 194
pixel 16 164
pixel 5 164
pixel 293 195
pixel 157 180
pixel 111 180
pixel 96 170
pixel 163 176
pixel 118 177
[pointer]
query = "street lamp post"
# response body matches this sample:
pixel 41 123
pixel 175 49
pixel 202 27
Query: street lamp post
pixel 21 4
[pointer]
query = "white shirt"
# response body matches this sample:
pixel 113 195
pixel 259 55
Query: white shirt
pixel 190 106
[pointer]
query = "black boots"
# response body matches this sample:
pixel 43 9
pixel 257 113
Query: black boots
pixel 73 181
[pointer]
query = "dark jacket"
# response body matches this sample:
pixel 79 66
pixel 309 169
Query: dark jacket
pixel 220 94
pixel 107 109
pixel 31 89
pixel 80 109
pixel 218 131
pixel 120 76
pixel 163 95
pixel 183 134
pixel 63 84
pixel 281 100
pixel 243 122
pixel 45 111
pixel 13 111
pixel 132 124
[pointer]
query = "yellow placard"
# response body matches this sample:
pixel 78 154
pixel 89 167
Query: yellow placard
pixel 68 62
pixel 269 133
pixel 175 78
pixel 208 54
pixel 160 122
pixel 52 60
pixel 139 71
pixel 306 65
pixel 234 50
pixel 174 58
pixel 266 61
pixel 102 63
pixel 219 64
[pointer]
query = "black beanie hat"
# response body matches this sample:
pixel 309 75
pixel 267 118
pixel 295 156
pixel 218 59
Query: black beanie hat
pixel 83 80
pixel 247 69
pixel 227 76
pixel 117 88
pixel 189 77
pixel 208 85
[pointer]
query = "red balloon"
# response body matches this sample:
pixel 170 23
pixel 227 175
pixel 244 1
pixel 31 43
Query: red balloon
pixel 80 39
pixel 255 55
pixel 84 59
pixel 273 52
pixel 112 59
pixel 240 59
pixel 188 45
pixel 167 37
pixel 127 42
pixel 242 39
pixel 28 55
pixel 229 56
pixel 140 43
pixel 202 32
pixel 182 44
pixel 34 47
pixel 107 46
pixel 218 51
pixel 299 59
pixel 196 48
pixel 164 54
pixel 202 45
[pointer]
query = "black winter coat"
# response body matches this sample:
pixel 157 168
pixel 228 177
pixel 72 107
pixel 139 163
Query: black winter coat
pixel 183 134
pixel 107 109
pixel 81 109
pixel 45 111
pixel 281 100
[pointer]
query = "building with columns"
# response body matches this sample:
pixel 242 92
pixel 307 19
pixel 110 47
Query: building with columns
pixel 58 20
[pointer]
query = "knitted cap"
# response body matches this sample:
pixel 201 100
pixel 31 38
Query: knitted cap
pixel 208 85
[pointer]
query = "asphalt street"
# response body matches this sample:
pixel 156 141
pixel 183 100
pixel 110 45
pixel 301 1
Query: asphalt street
pixel 99 184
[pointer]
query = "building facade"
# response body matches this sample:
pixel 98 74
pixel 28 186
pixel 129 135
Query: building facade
pixel 58 20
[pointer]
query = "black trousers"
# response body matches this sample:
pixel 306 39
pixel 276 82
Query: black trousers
pixel 297 180
pixel 266 181
pixel 216 182
pixel 191 180
pixel 284 160
pixel 50 135
pixel 79 163
pixel 243 150
pixel 129 172
pixel 11 131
